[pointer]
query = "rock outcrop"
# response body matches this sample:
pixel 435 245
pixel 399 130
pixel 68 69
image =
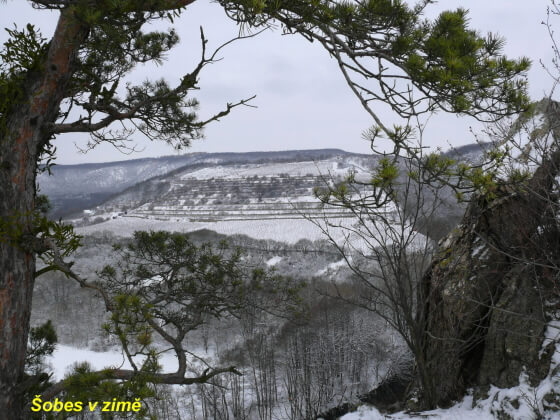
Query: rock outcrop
pixel 487 290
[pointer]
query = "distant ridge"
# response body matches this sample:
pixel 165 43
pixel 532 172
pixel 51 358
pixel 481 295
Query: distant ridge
pixel 72 188
pixel 203 155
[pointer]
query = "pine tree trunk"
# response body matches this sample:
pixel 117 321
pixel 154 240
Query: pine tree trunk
pixel 27 132
pixel 16 283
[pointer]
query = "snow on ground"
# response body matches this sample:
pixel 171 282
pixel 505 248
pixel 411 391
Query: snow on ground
pixel 284 230
pixel 324 167
pixel 334 267
pixel 498 401
pixel 64 357
pixel 462 411
pixel 522 402
pixel 273 261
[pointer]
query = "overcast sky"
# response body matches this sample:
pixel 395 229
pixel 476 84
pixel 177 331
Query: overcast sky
pixel 303 101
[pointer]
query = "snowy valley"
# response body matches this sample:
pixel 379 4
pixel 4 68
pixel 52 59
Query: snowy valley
pixel 322 359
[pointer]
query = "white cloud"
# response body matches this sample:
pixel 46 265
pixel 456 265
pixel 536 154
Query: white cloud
pixel 303 101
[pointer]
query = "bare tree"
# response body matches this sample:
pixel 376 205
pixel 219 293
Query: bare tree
pixel 382 241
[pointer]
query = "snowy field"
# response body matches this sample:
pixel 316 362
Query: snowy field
pixel 342 230
pixel 324 167
pixel 65 357
pixel 283 230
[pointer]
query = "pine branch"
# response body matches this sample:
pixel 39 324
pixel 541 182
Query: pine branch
pixel 159 378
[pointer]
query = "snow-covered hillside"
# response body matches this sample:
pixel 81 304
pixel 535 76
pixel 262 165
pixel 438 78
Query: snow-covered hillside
pixel 73 188
pixel 252 193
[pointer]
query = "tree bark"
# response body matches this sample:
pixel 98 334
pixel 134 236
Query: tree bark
pixel 20 150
